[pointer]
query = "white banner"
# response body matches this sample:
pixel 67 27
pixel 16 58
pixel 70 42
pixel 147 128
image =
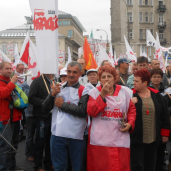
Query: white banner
pixel 150 39
pixel 45 19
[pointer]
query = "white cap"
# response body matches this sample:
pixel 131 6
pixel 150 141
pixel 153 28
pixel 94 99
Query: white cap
pixel 63 71
pixel 91 70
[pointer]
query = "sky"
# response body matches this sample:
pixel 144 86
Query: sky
pixel 93 14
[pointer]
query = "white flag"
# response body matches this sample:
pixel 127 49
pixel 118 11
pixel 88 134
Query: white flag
pixel 69 58
pixel 33 65
pixel 45 19
pixel 111 55
pixel 80 52
pixel 129 51
pixel 102 56
pixel 141 54
pixel 158 53
pixel 144 54
pixel 150 39
pixel 16 55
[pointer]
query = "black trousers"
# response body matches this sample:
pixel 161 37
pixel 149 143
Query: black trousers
pixel 143 156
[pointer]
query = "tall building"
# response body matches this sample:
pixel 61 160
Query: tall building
pixel 141 14
pixel 70 35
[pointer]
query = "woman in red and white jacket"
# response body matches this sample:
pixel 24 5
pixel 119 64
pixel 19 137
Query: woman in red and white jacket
pixel 113 116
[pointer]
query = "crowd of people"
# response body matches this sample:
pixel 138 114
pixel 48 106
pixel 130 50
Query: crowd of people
pixel 110 119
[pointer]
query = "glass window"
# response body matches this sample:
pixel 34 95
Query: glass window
pixel 146 2
pixel 60 23
pixel 130 34
pixel 31 34
pixel 161 34
pixel 141 17
pixel 69 23
pixel 130 16
pixel 65 23
pixel 151 2
pixel 4 49
pixel 144 49
pixel 140 2
pixel 160 19
pixel 2 34
pixel 70 33
pixel 152 31
pixel 146 17
pixel 18 34
pixel 141 33
pixel 129 2
pixel 12 34
pixel 15 34
pixel 6 34
pixel 9 34
pixel 151 17
pixel 161 2
pixel 22 34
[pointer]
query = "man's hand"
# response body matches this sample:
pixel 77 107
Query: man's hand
pixel 105 90
pixel 134 100
pixel 59 101
pixel 165 139
pixel 14 79
pixel 126 128
pixel 56 89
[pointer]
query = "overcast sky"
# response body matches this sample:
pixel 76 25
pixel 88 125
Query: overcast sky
pixel 93 14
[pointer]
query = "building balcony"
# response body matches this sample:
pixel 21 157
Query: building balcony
pixel 162 25
pixel 161 8
pixel 162 41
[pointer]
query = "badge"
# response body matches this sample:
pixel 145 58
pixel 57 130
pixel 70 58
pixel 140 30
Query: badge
pixel 117 99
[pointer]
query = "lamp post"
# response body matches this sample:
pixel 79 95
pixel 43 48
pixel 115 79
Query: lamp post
pixel 128 21
pixel 107 50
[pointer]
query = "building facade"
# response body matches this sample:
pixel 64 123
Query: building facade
pixel 70 35
pixel 141 14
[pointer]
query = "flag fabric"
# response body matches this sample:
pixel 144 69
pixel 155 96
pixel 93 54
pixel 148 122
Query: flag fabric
pixel 24 54
pixel 80 52
pixel 69 58
pixel 45 20
pixel 129 51
pixel 33 65
pixel 144 54
pixel 111 55
pixel 0 57
pixel 91 35
pixel 141 54
pixel 158 53
pixel 88 55
pixel 150 39
pixel 16 55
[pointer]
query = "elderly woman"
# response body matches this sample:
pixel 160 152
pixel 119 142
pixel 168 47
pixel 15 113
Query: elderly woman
pixel 113 116
pixel 152 123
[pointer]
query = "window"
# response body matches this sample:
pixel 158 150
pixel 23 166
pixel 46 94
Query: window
pixel 130 34
pixel 146 17
pixel 146 2
pixel 9 34
pixel 15 34
pixel 130 16
pixel 69 23
pixel 31 34
pixel 22 34
pixel 65 23
pixel 144 49
pixel 140 2
pixel 161 2
pixel 160 19
pixel 152 31
pixel 151 2
pixel 161 34
pixel 141 33
pixel 2 34
pixel 6 34
pixel 4 49
pixel 60 23
pixel 129 2
pixel 141 17
pixel 18 34
pixel 12 34
pixel 151 17
pixel 70 33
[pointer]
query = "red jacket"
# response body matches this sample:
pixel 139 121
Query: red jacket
pixel 5 93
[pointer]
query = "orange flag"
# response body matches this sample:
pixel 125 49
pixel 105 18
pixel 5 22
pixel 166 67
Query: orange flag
pixel 88 55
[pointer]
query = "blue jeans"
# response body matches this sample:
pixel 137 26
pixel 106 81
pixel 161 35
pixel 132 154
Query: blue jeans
pixel 42 144
pixel 59 155
pixel 30 132
pixel 11 134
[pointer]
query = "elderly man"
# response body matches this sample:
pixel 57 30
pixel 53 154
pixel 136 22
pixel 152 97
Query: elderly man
pixel 155 64
pixel 83 78
pixel 68 120
pixel 11 131
pixel 123 64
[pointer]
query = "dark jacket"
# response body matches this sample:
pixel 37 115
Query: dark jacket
pixel 79 110
pixel 162 118
pixel 37 95
pixel 161 88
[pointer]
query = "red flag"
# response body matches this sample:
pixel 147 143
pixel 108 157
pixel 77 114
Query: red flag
pixel 88 55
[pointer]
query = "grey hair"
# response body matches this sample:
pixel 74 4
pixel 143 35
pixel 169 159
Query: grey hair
pixel 74 63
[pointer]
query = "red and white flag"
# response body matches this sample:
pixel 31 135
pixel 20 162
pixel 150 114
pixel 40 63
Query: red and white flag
pixel 33 65
pixel 129 51
pixel 45 20
pixel 158 53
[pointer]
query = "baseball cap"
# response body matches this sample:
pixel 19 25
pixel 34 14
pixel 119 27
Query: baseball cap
pixel 63 71
pixel 123 60
pixel 91 70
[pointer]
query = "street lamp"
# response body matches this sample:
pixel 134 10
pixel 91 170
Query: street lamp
pixel 128 21
pixel 107 50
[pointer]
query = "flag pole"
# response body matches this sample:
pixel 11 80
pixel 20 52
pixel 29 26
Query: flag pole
pixel 147 52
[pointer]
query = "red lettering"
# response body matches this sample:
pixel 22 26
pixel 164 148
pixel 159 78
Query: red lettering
pixel 29 64
pixel 37 76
